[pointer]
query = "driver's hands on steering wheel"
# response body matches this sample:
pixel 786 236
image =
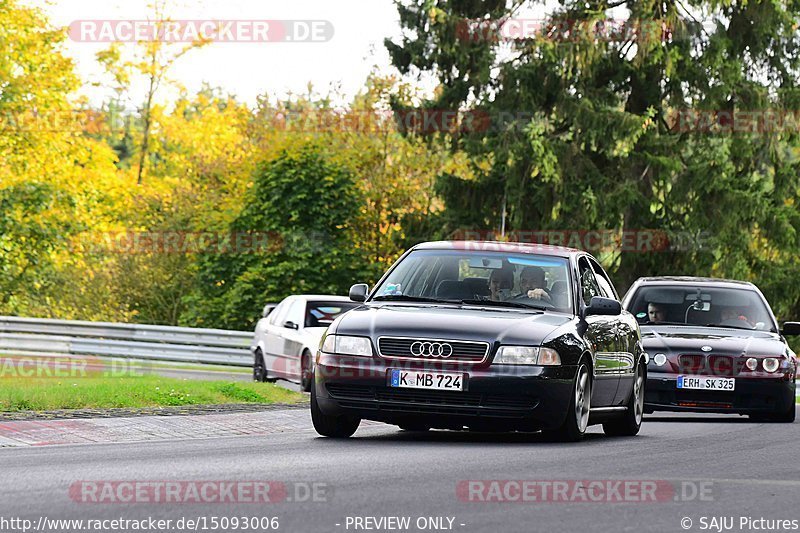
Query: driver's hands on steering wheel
pixel 539 294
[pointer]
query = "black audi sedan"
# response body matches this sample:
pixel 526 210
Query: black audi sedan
pixel 483 336
pixel 714 346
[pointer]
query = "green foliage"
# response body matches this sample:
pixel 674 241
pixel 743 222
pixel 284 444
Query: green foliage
pixel 594 144
pixel 301 206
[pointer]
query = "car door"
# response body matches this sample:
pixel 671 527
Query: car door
pixel 627 337
pixel 273 339
pixel 601 334
pixel 292 334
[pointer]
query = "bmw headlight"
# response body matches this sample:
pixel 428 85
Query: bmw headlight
pixel 347 345
pixel 770 364
pixel 526 355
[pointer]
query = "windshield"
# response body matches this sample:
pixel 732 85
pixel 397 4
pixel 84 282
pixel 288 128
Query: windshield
pixel 490 278
pixel 701 306
pixel 322 314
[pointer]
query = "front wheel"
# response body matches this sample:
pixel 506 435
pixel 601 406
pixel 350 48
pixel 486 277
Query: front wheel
pixel 259 370
pixel 630 422
pixel 337 427
pixel 574 427
pixel 305 371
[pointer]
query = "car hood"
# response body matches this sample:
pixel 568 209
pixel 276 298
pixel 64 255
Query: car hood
pixel 509 326
pixel 728 341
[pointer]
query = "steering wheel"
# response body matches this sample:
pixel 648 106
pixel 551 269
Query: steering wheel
pixel 523 298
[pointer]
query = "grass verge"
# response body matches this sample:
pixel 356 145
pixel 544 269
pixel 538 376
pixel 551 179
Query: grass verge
pixel 39 394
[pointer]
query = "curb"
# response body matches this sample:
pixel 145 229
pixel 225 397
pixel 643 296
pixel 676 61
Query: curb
pixel 125 412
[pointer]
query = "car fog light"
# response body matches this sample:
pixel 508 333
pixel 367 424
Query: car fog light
pixel 751 363
pixel 660 359
pixel 771 364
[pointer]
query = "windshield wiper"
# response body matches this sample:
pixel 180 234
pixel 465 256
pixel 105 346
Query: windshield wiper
pixel 408 298
pixel 500 303
pixel 728 327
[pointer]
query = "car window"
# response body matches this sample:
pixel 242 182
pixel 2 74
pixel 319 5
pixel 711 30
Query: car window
pixel 741 308
pixel 276 316
pixel 589 287
pixel 322 314
pixel 603 283
pixel 296 313
pixel 521 277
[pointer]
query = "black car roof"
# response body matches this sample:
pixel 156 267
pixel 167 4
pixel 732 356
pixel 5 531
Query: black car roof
pixel 500 246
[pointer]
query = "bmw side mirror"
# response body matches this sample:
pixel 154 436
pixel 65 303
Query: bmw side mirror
pixel 358 292
pixel 603 306
pixel 791 328
pixel 290 325
pixel 267 310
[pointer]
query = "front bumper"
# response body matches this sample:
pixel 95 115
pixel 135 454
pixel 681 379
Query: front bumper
pixel 752 395
pixel 498 397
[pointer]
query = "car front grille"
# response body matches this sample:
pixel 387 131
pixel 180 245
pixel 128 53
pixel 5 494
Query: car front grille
pixel 711 365
pixel 428 401
pixel 435 350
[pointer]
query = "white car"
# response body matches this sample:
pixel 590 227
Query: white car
pixel 288 336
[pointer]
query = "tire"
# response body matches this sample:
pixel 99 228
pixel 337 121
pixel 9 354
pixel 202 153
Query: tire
pixel 630 422
pixel 259 369
pixel 336 427
pixel 574 427
pixel 305 371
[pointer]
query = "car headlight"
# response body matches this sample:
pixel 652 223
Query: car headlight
pixel 347 345
pixel 526 355
pixel 771 364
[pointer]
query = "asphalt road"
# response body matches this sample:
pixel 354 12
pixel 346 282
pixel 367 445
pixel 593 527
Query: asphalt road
pixel 746 470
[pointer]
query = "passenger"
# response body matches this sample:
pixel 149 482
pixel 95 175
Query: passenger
pixel 656 313
pixel 532 284
pixel 500 283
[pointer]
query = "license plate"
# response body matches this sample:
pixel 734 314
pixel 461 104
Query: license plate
pixel 415 379
pixel 705 383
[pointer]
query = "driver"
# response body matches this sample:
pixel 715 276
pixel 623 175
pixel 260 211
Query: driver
pixel 732 314
pixel 656 313
pixel 532 284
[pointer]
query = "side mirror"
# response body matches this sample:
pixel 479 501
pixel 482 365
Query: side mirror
pixel 603 306
pixel 358 292
pixel 267 310
pixel 291 325
pixel 791 328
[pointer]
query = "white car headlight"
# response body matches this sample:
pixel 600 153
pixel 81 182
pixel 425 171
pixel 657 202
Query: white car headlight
pixel 770 364
pixel 526 355
pixel 347 345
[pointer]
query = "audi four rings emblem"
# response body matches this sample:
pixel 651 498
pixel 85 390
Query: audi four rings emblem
pixel 431 349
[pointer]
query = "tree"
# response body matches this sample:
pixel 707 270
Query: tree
pixel 299 211
pixel 584 132
pixel 152 60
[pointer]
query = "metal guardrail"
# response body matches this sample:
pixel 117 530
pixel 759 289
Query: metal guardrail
pixel 50 337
